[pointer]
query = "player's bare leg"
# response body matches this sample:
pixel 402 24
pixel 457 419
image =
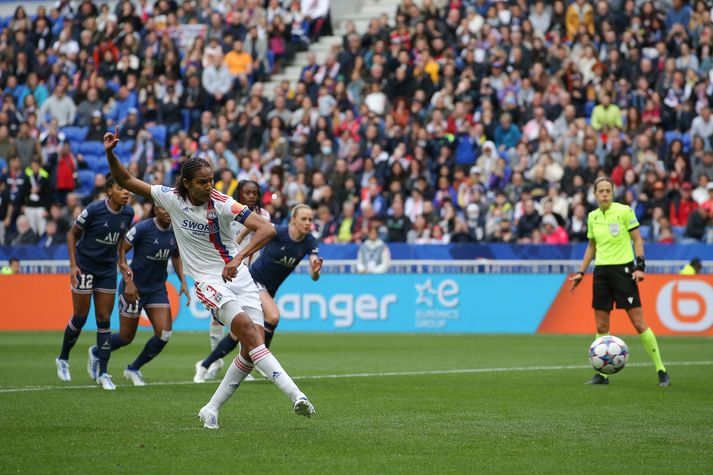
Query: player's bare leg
pixel 252 353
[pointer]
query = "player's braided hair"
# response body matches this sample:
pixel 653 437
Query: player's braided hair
pixel 602 179
pixel 110 181
pixel 188 171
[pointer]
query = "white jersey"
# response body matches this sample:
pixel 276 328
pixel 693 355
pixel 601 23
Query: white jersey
pixel 238 227
pixel 204 235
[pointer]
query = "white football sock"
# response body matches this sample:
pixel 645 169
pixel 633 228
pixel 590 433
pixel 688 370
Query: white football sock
pixel 216 333
pixel 236 373
pixel 268 364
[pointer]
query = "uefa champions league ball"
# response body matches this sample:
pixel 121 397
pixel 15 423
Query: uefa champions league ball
pixel 608 354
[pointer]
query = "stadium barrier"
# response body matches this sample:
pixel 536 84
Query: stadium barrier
pixel 437 303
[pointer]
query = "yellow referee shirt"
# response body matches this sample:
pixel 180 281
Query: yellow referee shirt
pixel 610 231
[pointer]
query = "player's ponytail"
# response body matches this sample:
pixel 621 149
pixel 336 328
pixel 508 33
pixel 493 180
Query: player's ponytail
pixel 188 171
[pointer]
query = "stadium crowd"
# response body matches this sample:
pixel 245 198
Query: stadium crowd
pixel 460 121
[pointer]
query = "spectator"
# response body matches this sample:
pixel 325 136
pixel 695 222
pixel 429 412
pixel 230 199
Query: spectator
pixel 59 106
pixel 682 206
pixel 239 65
pixel 373 256
pixel 692 268
pixel 696 225
pixel 397 223
pixel 702 126
pixel 606 115
pixel 51 236
pixel 529 221
pixel 36 196
pixel 27 147
pixel 552 231
pixel 65 173
pixel 24 234
pixel 12 267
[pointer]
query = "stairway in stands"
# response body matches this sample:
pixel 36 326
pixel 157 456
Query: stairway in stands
pixel 366 10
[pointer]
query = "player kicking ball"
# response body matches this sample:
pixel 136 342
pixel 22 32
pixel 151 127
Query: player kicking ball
pixel 247 193
pixel 92 243
pixel 277 261
pixel 202 217
pixel 143 287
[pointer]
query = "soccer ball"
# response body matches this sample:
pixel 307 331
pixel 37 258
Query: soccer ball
pixel 608 354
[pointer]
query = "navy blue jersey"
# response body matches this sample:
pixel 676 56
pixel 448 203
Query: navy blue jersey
pixel 153 247
pixel 280 257
pixel 103 229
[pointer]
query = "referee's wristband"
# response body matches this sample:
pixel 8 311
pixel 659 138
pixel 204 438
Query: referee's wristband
pixel 641 263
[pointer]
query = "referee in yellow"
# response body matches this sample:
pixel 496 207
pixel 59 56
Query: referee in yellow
pixel 611 228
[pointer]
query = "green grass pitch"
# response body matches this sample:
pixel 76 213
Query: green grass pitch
pixel 385 404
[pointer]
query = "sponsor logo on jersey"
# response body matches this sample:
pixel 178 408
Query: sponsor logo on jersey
pixel 199 227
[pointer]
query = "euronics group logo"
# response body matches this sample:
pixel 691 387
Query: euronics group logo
pixel 686 305
pixel 437 303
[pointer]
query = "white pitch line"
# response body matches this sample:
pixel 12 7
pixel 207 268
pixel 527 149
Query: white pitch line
pixel 513 369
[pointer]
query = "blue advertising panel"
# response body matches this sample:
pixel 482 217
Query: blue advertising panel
pixel 444 303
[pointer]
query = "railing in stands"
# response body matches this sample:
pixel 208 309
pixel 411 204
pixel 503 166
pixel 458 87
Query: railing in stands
pixel 479 266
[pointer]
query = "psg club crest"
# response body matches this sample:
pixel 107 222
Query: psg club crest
pixel 614 229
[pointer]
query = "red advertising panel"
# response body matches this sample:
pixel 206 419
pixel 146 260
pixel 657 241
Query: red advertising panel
pixel 673 305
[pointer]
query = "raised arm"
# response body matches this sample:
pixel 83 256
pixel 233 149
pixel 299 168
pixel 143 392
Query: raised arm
pixel 120 174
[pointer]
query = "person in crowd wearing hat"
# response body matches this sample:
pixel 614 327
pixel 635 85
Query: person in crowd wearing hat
pixel 552 232
pixel 692 268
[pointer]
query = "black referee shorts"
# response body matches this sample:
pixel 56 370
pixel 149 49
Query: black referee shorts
pixel 615 283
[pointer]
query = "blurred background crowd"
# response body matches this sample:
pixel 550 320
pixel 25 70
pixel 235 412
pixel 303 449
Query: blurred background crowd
pixel 450 121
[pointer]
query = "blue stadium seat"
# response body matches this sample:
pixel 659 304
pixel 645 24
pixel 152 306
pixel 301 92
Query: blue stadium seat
pixel 125 148
pixel 74 147
pixel 75 134
pixel 97 163
pixel 91 148
pixel 687 142
pixel 678 232
pixel 3 165
pixel 86 178
pixel 672 135
pixel 159 134
pixel 645 231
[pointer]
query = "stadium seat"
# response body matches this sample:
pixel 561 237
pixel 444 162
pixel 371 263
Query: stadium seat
pixel 125 148
pixel 75 134
pixel 86 178
pixel 678 232
pixel 159 134
pixel 91 148
pixel 672 135
pixel 3 165
pixel 97 163
pixel 645 231
pixel 687 142
pixel 74 147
